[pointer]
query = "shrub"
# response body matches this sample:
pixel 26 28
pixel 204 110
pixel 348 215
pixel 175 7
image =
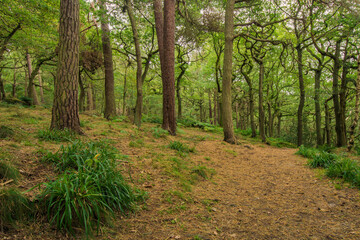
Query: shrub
pixel 322 160
pixel 180 147
pixel 8 172
pixel 347 169
pixel 13 206
pixel 307 152
pixel 55 135
pixel 6 132
pixel 158 132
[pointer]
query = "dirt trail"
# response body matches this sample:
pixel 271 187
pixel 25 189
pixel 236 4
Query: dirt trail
pixel 259 192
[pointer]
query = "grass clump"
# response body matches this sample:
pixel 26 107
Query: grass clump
pixel 158 132
pixel 90 188
pixel 346 169
pixel 181 147
pixel 280 143
pixel 55 135
pixel 307 152
pixel 6 132
pixel 137 143
pixel 8 172
pixel 322 160
pixel 203 171
pixel 14 206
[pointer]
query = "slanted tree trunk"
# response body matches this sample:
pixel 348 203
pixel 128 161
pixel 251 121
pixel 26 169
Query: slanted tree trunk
pixel 261 107
pixel 229 135
pixel 110 107
pixel 139 82
pixel 31 87
pixel 65 112
pixel 319 141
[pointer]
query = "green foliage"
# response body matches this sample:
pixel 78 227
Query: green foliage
pixel 307 152
pixel 8 172
pixel 6 132
pixel 90 189
pixel 203 171
pixel 279 142
pixel 246 132
pixel 158 132
pixel 151 119
pixel 137 143
pixel 55 135
pixel 180 147
pixel 346 169
pixel 14 206
pixel 322 160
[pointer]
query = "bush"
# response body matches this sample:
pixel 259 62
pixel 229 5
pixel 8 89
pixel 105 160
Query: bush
pixel 158 132
pixel 180 147
pixel 6 132
pixel 90 188
pixel 8 172
pixel 346 169
pixel 14 206
pixel 308 152
pixel 322 160
pixel 56 135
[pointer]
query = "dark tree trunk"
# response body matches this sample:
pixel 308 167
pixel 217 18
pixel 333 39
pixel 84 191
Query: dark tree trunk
pixel 139 82
pixel 327 123
pixel 302 96
pixel 65 112
pixel 261 107
pixel 13 92
pixel 342 94
pixel 90 98
pixel 210 109
pixel 319 141
pixel 110 107
pixel 215 104
pixel 178 88
pixel 354 124
pixel 82 94
pixel 125 91
pixel 41 88
pixel 2 90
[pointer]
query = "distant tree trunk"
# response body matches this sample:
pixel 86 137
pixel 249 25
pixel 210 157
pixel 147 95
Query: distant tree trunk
pixel 271 120
pixel 215 104
pixel 13 92
pixel 139 82
pixel 82 94
pixel 5 42
pixel 2 90
pixel 110 107
pixel 26 83
pixel 356 111
pixel 41 88
pixel 237 115
pixel 178 88
pixel 124 93
pixel 65 112
pixel 90 98
pixel 279 124
pixel 261 107
pixel 327 123
pixel 229 135
pixel 302 96
pixel 319 141
pixel 342 94
pixel 31 87
pixel 210 109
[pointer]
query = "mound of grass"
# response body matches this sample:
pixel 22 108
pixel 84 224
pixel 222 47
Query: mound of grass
pixel 322 160
pixel 55 135
pixel 14 206
pixel 203 171
pixel 280 143
pixel 180 147
pixel 346 169
pixel 158 132
pixel 90 189
pixel 8 172
pixel 6 132
pixel 137 143
pixel 308 152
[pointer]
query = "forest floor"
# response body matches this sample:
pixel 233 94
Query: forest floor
pixel 219 191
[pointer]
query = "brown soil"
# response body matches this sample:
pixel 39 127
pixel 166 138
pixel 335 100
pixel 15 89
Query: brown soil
pixel 258 191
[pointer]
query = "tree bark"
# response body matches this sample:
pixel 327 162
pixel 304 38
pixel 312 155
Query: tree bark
pixel 319 140
pixel 178 88
pixel 41 88
pixel 210 108
pixel 82 94
pixel 110 107
pixel 31 86
pixel 124 93
pixel 2 90
pixel 65 112
pixel 139 82
pixel 228 128
pixel 13 93
pixel 356 111
pixel 302 96
pixel 261 107
pixel 90 98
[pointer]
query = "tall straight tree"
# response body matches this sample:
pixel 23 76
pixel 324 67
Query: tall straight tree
pixel 65 112
pixel 229 135
pixel 165 29
pixel 110 109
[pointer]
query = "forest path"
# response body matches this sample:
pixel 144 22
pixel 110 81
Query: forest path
pixel 258 192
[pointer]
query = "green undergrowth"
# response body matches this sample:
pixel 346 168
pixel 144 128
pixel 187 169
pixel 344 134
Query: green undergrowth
pixel 181 147
pixel 55 135
pixel 336 167
pixel 158 132
pixel 89 189
pixel 6 132
pixel 8 171
pixel 207 127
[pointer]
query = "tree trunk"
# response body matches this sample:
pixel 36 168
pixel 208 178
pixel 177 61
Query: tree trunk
pixel 327 123
pixel 82 94
pixel 227 74
pixel 302 97
pixel 2 90
pixel 215 104
pixel 13 92
pixel 139 82
pixel 342 94
pixel 110 107
pixel 319 141
pixel 31 87
pixel 124 93
pixel 356 110
pixel 41 88
pixel 90 98
pixel 340 134
pixel 261 107
pixel 178 88
pixel 65 112
pixel 210 109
